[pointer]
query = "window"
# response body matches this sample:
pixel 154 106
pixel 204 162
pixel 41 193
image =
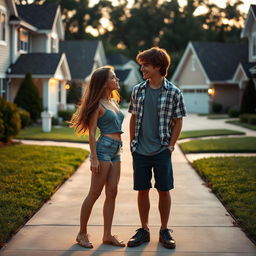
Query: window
pixel 3 88
pixel 3 26
pixel 254 45
pixel 23 40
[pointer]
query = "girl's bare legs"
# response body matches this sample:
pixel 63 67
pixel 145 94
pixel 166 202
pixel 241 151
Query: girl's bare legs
pixel 109 204
pixel 98 181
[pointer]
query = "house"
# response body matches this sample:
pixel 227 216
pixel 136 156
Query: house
pixel 215 73
pixel 127 70
pixel 29 42
pixel 83 56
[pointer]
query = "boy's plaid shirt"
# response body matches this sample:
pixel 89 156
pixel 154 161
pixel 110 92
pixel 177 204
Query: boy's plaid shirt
pixel 170 106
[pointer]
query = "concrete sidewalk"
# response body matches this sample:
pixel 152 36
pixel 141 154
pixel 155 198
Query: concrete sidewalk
pixel 200 223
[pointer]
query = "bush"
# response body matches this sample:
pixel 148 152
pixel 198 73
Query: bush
pixel 233 113
pixel 24 117
pixel 10 120
pixel 248 103
pixel 65 114
pixel 252 119
pixel 55 121
pixel 216 108
pixel 243 118
pixel 1 125
pixel 28 98
pixel 248 118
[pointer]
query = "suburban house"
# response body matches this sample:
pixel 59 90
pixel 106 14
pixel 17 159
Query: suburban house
pixel 127 70
pixel 216 73
pixel 29 42
pixel 83 56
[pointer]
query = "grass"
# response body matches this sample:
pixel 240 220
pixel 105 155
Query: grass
pixel 228 145
pixel 233 180
pixel 246 125
pixel 212 132
pixel 218 116
pixel 57 134
pixel 28 177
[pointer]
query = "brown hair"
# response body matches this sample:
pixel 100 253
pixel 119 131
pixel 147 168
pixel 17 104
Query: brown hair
pixel 90 100
pixel 158 57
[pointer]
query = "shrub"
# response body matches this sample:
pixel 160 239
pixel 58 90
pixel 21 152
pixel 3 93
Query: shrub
pixel 216 108
pixel 11 122
pixel 24 117
pixel 1 125
pixel 55 121
pixel 243 118
pixel 252 119
pixel 248 103
pixel 65 114
pixel 233 113
pixel 28 98
pixel 74 93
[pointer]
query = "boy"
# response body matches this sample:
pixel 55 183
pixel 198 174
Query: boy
pixel 157 109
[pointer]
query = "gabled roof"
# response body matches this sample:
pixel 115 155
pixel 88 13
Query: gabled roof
pixel 122 74
pixel 251 18
pixel 117 59
pixel 35 63
pixel 80 55
pixel 247 66
pixel 40 16
pixel 220 60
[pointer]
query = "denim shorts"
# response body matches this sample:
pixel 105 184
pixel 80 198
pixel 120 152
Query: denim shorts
pixel 162 168
pixel 108 149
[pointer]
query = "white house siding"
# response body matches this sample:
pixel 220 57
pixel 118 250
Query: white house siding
pixel 253 31
pixel 38 43
pixel 5 46
pixel 228 95
pixel 193 84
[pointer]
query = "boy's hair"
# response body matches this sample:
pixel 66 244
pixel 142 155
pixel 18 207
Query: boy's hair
pixel 157 57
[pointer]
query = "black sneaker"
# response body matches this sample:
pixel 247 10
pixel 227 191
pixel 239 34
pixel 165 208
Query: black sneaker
pixel 141 236
pixel 166 239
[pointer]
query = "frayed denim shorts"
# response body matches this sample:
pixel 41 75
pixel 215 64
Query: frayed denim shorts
pixel 108 149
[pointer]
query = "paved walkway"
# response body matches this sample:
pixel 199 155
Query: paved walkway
pixel 202 226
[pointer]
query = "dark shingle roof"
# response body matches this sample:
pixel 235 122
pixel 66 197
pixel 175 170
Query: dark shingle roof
pixel 122 74
pixel 40 16
pixel 247 66
pixel 220 60
pixel 254 9
pixel 117 59
pixel 80 55
pixel 36 63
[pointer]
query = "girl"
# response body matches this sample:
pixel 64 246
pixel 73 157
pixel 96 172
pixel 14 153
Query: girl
pixel 99 109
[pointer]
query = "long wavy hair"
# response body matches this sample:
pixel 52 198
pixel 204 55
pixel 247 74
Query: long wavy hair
pixel 90 100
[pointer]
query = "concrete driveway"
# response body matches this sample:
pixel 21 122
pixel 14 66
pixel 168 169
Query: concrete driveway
pixel 201 225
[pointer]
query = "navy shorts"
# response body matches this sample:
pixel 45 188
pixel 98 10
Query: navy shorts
pixel 162 168
pixel 108 149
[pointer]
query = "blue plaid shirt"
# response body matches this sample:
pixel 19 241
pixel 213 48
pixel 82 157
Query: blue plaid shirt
pixel 170 106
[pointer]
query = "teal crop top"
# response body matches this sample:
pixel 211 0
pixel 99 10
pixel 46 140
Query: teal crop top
pixel 110 122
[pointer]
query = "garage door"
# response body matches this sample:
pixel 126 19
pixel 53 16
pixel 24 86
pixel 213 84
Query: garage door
pixel 196 100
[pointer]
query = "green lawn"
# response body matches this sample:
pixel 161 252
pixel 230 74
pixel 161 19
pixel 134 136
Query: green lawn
pixel 57 134
pixel 228 145
pixel 233 179
pixel 249 126
pixel 28 177
pixel 212 132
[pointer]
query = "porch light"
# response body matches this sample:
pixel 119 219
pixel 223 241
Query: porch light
pixel 53 82
pixel 67 86
pixel 211 91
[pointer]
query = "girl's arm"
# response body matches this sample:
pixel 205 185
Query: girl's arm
pixel 95 165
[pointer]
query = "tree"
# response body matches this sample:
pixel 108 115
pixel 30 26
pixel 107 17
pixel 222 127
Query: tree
pixel 248 103
pixel 28 97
